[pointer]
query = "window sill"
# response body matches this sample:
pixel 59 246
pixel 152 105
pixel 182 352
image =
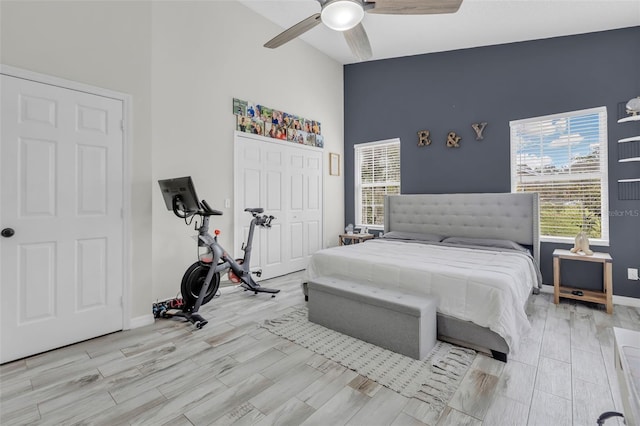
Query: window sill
pixel 572 240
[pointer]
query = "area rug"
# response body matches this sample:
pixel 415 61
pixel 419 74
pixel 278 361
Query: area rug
pixel 432 380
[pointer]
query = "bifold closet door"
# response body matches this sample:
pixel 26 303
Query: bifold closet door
pixel 286 180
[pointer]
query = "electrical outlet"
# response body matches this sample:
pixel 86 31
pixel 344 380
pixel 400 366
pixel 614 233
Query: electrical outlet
pixel 632 274
pixel 227 203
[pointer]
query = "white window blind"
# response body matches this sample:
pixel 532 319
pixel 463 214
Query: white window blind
pixel 377 173
pixel 563 157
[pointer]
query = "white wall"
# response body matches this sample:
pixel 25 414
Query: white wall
pixel 204 55
pixel 104 44
pixel 183 62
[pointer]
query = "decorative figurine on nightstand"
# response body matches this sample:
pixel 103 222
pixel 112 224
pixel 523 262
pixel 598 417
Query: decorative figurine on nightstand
pixel 349 229
pixel 582 244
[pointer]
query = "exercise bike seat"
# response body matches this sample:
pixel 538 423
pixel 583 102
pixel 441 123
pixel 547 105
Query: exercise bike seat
pixel 254 210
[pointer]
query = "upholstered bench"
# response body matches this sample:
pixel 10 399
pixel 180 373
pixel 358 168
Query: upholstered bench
pixel 401 322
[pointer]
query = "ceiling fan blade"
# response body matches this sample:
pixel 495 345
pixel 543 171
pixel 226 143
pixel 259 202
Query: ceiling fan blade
pixel 358 42
pixel 293 32
pixel 414 7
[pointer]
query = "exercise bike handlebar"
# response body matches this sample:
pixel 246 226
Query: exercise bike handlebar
pixel 263 220
pixel 209 211
pixel 180 210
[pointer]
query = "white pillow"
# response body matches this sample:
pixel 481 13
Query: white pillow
pixel 417 236
pixel 485 242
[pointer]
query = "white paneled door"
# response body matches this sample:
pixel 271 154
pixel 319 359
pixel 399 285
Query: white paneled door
pixel 286 180
pixel 304 206
pixel 61 268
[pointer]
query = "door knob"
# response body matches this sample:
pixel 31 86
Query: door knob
pixel 7 232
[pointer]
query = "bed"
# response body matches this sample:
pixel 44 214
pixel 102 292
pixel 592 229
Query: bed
pixel 478 253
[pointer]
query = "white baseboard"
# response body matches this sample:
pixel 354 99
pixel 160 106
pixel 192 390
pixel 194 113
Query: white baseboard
pixel 141 321
pixel 626 301
pixel 617 300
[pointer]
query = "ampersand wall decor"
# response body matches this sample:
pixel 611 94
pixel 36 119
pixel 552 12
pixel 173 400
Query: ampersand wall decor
pixel 453 140
pixel 423 138
pixel 479 128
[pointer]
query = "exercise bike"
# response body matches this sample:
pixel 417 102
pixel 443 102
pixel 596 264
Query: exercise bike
pixel 201 280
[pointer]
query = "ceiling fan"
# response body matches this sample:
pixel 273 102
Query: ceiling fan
pixel 346 16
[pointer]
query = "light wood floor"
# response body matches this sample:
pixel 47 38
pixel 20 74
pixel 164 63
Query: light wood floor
pixel 233 372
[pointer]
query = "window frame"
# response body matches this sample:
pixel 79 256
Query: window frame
pixel 603 165
pixel 357 177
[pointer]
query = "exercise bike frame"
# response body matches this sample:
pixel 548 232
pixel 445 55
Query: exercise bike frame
pixel 221 261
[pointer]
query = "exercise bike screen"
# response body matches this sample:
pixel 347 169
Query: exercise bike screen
pixel 183 187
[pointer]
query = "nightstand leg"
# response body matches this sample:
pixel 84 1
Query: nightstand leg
pixel 608 286
pixel 556 280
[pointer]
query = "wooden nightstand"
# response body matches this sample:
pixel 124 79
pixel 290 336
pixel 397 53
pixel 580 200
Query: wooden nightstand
pixel 604 296
pixel 345 239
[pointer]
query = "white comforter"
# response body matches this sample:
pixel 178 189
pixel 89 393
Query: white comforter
pixel 489 288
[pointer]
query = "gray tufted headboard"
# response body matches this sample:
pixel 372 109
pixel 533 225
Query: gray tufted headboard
pixel 504 216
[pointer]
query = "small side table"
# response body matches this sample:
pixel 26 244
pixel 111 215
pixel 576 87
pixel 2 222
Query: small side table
pixel 346 239
pixel 604 297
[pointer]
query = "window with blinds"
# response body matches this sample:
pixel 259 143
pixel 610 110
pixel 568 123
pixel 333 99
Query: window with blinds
pixel 563 157
pixel 377 173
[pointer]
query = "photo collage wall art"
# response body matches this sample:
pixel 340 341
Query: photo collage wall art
pixel 272 123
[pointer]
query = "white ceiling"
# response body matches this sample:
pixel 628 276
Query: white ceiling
pixel 477 23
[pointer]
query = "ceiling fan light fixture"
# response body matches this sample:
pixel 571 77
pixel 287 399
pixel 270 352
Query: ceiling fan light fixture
pixel 342 15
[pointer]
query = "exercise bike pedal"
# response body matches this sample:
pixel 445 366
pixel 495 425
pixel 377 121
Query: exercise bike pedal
pixel 197 320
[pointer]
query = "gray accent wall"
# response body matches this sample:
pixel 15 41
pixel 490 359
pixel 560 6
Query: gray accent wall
pixel 448 91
